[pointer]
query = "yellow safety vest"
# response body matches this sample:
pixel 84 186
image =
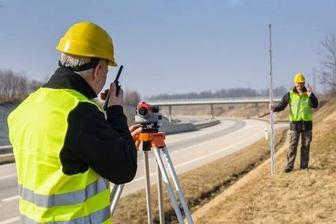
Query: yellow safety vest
pixel 299 107
pixel 37 130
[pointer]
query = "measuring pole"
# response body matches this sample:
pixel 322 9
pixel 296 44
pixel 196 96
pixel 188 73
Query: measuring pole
pixel 272 138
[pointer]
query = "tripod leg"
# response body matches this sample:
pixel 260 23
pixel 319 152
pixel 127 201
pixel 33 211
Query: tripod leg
pixel 168 185
pixel 160 198
pixel 177 185
pixel 148 191
pixel 115 195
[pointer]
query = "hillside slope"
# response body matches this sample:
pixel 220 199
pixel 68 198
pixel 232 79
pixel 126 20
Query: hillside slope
pixel 302 196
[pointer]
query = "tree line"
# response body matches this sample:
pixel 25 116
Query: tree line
pixel 222 93
pixel 15 86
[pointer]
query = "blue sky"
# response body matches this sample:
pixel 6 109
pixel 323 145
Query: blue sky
pixel 175 46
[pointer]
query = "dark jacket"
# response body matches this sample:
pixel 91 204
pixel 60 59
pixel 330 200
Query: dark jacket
pixel 105 145
pixel 297 125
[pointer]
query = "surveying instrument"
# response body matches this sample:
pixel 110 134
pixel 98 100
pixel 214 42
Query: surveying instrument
pixel 153 140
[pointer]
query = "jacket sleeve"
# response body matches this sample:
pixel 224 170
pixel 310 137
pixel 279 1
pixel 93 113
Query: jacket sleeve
pixel 105 145
pixel 283 103
pixel 313 101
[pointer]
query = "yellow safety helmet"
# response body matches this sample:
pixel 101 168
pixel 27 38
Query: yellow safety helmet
pixel 299 78
pixel 89 40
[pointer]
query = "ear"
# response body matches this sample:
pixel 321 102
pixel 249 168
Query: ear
pixel 97 72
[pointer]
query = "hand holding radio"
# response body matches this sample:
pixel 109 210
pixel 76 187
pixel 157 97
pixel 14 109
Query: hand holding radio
pixel 114 96
pixel 309 90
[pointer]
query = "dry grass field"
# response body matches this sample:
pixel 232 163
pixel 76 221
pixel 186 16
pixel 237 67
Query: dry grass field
pixel 302 196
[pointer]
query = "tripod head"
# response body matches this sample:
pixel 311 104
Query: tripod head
pixel 148 117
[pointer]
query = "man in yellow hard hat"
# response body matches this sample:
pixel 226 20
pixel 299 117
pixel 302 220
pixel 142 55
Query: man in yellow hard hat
pixel 65 149
pixel 301 101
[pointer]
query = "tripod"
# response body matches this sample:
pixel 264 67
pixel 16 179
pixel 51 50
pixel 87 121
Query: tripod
pixel 155 142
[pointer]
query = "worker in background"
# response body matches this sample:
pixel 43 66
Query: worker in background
pixel 65 150
pixel 301 102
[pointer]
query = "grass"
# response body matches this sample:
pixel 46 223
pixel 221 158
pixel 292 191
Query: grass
pixel 302 196
pixel 200 185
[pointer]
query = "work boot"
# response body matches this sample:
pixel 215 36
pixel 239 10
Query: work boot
pixel 287 170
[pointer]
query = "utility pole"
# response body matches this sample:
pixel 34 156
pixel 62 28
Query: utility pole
pixel 272 138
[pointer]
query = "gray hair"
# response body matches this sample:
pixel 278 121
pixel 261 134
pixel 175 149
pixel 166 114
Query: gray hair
pixel 74 61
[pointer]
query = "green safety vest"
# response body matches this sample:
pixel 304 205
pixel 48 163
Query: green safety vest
pixel 37 130
pixel 299 107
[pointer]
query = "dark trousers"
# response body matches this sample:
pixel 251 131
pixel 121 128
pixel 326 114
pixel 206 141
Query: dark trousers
pixel 306 138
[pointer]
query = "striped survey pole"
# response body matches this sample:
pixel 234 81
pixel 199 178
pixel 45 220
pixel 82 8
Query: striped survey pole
pixel 272 137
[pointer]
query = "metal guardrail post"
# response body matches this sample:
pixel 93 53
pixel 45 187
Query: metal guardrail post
pixel 6 154
pixel 170 116
pixel 212 111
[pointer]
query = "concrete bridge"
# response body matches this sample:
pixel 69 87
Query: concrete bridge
pixel 211 102
pixel 187 102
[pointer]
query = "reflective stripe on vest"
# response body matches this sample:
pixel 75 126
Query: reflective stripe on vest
pixel 100 216
pixel 37 130
pixel 75 197
pixel 299 107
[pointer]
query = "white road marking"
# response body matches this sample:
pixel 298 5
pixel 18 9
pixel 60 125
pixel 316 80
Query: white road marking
pixel 10 198
pixel 11 220
pixel 215 152
pixel 143 177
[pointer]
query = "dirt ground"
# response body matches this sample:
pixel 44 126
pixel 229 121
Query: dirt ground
pixel 302 196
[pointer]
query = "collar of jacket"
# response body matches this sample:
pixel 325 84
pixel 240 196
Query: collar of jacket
pixel 295 90
pixel 64 78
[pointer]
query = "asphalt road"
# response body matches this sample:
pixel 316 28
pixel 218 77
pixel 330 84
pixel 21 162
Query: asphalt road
pixel 187 150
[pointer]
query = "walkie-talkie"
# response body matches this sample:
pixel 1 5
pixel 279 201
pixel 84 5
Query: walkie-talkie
pixel 116 81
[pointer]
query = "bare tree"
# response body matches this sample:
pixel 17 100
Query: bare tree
pixel 6 83
pixel 15 86
pixel 34 85
pixel 131 97
pixel 328 71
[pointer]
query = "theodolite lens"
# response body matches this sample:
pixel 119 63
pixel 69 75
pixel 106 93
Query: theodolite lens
pixel 143 111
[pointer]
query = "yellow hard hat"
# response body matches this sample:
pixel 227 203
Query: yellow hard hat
pixel 299 78
pixel 89 40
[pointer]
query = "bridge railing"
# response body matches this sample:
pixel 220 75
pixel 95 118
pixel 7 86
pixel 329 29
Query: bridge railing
pixel 207 101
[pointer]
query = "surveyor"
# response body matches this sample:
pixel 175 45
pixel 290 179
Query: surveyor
pixel 65 149
pixel 301 101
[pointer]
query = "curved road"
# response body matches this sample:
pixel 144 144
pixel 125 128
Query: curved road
pixel 187 150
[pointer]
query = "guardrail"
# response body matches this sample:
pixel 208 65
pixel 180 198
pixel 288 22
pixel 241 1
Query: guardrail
pixel 6 151
pixel 6 154
pixel 5 148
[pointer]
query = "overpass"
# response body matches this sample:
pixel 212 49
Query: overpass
pixel 211 102
pixel 186 102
